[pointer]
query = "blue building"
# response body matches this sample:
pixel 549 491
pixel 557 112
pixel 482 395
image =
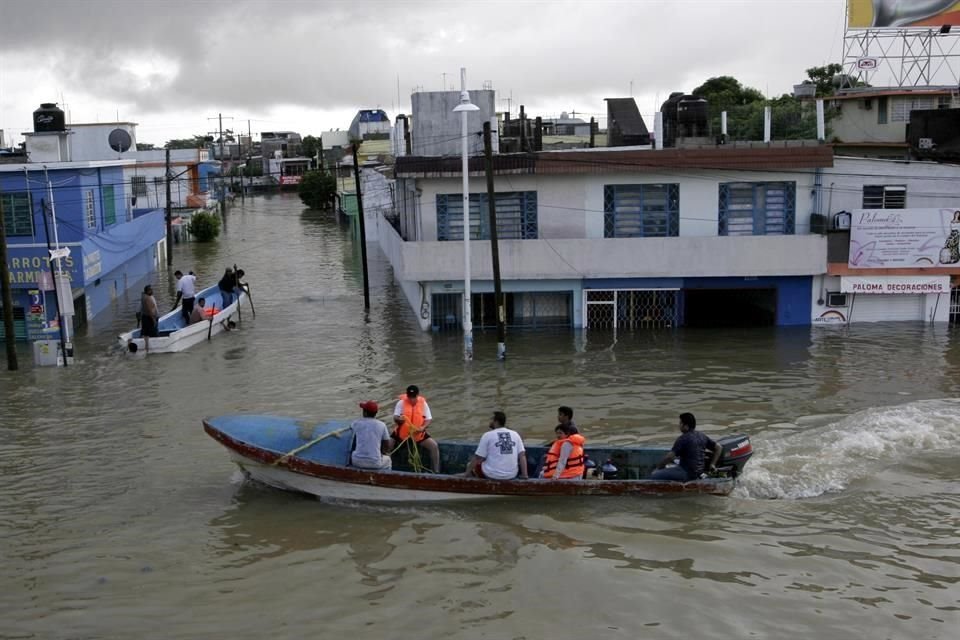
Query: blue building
pixel 113 246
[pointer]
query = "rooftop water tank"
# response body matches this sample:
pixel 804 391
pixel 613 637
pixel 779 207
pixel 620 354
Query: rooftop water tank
pixel 49 117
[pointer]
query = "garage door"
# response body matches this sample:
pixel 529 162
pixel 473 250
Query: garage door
pixel 873 308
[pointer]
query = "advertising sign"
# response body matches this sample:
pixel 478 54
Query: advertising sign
pixel 28 265
pixel 897 14
pixel 904 238
pixel 899 285
pixel 290 179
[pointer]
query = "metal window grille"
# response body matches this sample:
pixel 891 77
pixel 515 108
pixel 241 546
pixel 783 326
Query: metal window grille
pixel 17 217
pixel 641 210
pixel 955 306
pixel 516 216
pixel 90 210
pixel 757 208
pixel 139 184
pixel 631 308
pixel 901 108
pixel 528 309
pixel 884 197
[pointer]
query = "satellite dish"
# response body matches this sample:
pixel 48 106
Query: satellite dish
pixel 119 140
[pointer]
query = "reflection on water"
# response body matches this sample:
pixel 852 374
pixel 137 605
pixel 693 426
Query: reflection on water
pixel 119 512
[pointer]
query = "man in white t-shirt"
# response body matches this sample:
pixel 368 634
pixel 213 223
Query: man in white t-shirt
pixel 500 454
pixel 186 290
pixel 372 443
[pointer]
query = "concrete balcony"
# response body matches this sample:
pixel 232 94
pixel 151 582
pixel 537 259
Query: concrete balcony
pixel 743 256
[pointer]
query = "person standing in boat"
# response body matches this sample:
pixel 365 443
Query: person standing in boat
pixel 412 417
pixel 565 459
pixel 149 314
pixel 372 443
pixel 689 449
pixel 227 286
pixel 186 291
pixel 500 454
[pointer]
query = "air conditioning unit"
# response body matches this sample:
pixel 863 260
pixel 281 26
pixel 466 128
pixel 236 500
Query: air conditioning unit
pixel 836 299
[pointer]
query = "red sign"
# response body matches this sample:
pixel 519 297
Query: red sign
pixel 290 179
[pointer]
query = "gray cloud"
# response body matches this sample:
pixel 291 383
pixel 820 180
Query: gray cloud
pixel 335 55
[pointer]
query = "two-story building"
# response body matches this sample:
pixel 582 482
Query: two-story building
pixel 112 244
pixel 617 237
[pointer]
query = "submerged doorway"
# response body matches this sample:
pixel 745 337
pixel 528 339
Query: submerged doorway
pixel 730 307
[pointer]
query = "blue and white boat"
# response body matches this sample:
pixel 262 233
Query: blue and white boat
pixel 314 458
pixel 175 335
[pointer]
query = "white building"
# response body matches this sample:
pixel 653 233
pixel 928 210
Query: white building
pixel 617 237
pixel 914 205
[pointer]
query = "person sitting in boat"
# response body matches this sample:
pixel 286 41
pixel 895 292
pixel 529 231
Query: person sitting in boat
pixel 500 454
pixel 565 417
pixel 199 313
pixel 372 443
pixel 412 417
pixel 565 460
pixel 689 450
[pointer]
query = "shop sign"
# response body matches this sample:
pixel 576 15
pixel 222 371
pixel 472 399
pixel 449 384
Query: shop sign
pixel 904 238
pixel 895 285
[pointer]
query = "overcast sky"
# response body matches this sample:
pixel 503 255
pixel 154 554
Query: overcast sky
pixel 309 65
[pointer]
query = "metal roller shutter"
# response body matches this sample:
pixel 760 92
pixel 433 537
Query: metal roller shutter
pixel 875 308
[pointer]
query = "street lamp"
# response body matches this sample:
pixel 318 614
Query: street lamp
pixel 464 108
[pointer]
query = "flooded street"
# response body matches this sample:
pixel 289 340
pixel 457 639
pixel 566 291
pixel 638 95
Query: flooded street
pixel 122 519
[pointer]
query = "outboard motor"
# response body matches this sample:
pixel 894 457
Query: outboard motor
pixel 736 451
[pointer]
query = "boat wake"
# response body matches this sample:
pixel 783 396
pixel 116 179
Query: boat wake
pixel 827 459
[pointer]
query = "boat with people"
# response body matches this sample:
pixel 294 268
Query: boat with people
pixel 173 332
pixel 289 454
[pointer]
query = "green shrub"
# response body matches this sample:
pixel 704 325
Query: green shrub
pixel 204 227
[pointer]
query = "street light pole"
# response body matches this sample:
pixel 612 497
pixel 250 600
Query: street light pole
pixel 464 108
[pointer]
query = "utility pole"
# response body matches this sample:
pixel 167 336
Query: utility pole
pixel 223 201
pixel 321 167
pixel 56 283
pixel 593 131
pixel 494 245
pixel 363 229
pixel 8 331
pixel 523 130
pixel 249 157
pixel 464 109
pixel 169 213
pixel 538 134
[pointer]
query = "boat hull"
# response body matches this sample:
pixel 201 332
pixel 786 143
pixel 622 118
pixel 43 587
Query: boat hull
pixel 182 338
pixel 323 471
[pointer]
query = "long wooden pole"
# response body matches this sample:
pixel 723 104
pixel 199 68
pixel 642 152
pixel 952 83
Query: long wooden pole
pixel 169 213
pixel 8 328
pixel 494 245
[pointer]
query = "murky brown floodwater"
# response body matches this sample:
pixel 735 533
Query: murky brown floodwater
pixel 120 518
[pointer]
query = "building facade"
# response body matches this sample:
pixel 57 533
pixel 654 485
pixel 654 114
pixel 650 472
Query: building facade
pixel 113 245
pixel 620 238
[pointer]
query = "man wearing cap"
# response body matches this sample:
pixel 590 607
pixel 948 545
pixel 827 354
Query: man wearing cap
pixel 412 417
pixel 372 443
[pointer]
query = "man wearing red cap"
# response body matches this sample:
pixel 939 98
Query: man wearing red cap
pixel 372 443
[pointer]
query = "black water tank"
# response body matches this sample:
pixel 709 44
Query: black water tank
pixel 692 110
pixel 669 111
pixel 49 117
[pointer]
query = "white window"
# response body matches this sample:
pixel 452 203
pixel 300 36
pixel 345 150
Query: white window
pixel 901 108
pixel 139 184
pixel 884 197
pixel 90 210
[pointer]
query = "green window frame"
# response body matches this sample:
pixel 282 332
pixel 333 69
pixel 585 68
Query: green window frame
pixel 17 214
pixel 109 204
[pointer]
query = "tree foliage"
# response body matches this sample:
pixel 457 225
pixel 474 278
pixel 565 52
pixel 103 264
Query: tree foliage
pixel 145 146
pixel 317 189
pixel 196 142
pixel 823 78
pixel 725 92
pixel 310 146
pixel 204 226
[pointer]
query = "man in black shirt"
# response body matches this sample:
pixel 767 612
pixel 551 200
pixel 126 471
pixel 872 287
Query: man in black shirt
pixel 689 448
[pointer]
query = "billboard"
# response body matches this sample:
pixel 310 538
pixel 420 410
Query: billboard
pixel 897 14
pixel 904 238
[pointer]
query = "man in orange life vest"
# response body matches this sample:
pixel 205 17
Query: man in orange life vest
pixel 412 417
pixel 564 460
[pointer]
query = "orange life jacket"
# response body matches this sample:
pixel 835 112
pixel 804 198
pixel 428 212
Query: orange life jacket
pixel 414 414
pixel 575 461
pixel 209 312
